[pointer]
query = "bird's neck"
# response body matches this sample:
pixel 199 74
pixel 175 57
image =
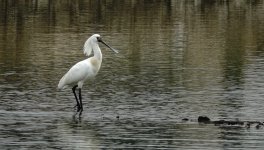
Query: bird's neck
pixel 97 52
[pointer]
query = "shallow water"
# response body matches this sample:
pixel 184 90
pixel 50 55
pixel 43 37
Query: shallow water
pixel 178 59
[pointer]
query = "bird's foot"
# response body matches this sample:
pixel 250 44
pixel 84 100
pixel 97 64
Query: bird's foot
pixel 75 106
pixel 79 109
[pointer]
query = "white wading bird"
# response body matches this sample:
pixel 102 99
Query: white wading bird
pixel 84 70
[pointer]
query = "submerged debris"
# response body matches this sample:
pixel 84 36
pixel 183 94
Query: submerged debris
pixel 246 124
pixel 204 119
pixel 185 119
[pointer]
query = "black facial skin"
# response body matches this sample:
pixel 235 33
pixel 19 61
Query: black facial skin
pixel 99 39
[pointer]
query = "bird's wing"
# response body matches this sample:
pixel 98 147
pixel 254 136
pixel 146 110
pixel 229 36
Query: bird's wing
pixel 77 73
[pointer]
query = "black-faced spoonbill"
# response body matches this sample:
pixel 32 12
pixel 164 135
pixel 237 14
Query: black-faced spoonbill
pixel 84 70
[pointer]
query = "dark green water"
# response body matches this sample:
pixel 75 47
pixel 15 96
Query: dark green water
pixel 178 59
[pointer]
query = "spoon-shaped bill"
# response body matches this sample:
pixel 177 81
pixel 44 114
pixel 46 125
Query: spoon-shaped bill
pixel 116 51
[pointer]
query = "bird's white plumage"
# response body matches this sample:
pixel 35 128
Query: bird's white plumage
pixel 86 69
pixel 78 73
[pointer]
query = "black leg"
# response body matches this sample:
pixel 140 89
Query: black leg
pixel 80 98
pixel 78 104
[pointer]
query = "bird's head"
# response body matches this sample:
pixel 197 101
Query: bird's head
pixel 94 39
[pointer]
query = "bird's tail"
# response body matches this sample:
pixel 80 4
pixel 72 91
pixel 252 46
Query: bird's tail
pixel 61 84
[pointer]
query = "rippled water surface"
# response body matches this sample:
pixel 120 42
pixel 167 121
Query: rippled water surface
pixel 178 59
